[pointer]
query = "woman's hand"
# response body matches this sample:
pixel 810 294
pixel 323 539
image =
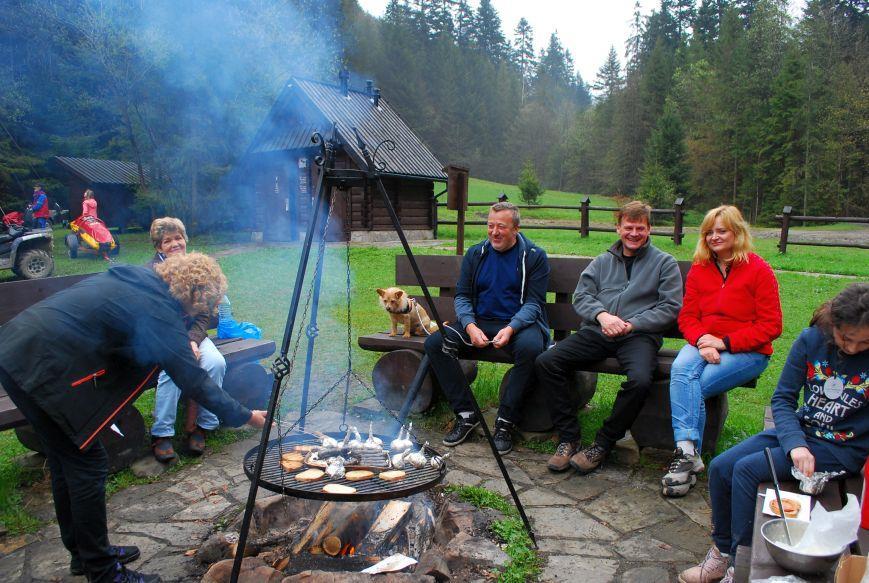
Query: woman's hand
pixel 710 341
pixel 710 355
pixel 257 419
pixel 803 460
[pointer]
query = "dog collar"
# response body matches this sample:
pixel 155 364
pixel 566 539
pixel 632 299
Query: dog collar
pixel 410 303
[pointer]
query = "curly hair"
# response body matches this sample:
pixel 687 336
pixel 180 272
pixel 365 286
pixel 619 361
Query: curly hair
pixel 195 280
pixel 163 226
pixel 849 308
pixel 732 220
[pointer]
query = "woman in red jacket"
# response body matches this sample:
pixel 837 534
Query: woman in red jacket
pixel 730 316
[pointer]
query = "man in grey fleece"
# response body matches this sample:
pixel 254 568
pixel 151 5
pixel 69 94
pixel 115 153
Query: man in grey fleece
pixel 627 297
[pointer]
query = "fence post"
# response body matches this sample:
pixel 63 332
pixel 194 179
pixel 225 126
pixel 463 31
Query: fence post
pixel 785 225
pixel 583 216
pixel 679 209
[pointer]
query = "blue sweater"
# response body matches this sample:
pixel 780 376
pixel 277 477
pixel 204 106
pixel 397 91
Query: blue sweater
pixel 834 414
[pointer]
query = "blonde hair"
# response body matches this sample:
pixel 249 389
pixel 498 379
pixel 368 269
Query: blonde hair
pixel 635 211
pixel 163 226
pixel 195 280
pixel 733 221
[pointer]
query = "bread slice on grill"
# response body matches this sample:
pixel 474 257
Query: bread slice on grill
pixel 393 475
pixel 311 475
pixel 338 489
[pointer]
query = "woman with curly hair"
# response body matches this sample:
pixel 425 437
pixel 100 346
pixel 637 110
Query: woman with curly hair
pixel 69 389
pixel 829 364
pixel 170 240
pixel 730 315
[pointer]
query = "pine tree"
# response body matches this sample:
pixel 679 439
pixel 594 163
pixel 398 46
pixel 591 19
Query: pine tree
pixel 609 76
pixel 666 150
pixel 529 186
pixel 465 28
pixel 488 36
pixel 523 53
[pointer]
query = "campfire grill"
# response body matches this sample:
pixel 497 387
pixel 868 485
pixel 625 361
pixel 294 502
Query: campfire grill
pixel 276 479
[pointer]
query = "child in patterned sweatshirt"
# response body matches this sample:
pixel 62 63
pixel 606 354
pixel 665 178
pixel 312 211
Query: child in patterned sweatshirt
pixel 829 364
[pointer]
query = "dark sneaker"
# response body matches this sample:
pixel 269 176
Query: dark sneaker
pixel 561 460
pixel 681 474
pixel 502 437
pixel 588 459
pixel 124 575
pixel 123 554
pixel 196 441
pixel 462 428
pixel 163 450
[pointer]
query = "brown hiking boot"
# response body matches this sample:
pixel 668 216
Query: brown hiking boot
pixel 196 441
pixel 561 460
pixel 589 458
pixel 163 451
pixel 712 568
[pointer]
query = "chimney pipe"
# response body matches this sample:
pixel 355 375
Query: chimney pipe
pixel 369 85
pixel 377 97
pixel 344 77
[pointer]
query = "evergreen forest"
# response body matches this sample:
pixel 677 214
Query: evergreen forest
pixel 713 101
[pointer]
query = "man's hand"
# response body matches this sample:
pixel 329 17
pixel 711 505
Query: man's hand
pixel 803 460
pixel 195 348
pixel 710 355
pixel 612 326
pixel 478 338
pixel 257 419
pixel 502 337
pixel 710 341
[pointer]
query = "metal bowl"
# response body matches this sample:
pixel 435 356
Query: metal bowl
pixel 773 532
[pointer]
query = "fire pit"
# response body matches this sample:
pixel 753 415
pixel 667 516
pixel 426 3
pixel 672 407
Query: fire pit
pixel 275 478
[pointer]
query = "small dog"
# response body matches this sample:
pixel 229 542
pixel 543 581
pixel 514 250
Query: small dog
pixel 406 311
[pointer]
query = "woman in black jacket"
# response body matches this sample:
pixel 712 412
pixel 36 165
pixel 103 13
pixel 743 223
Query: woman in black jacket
pixel 72 362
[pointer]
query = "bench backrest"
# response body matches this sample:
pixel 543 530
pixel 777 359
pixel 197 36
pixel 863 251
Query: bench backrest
pixel 442 271
pixel 17 296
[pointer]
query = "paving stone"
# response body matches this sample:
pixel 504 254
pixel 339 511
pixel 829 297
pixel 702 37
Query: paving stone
pixel 684 534
pixel 645 575
pixel 489 467
pixel 52 562
pixel 550 521
pixel 461 478
pixel 628 508
pixel 544 497
pixel 571 568
pixel 207 509
pixel 171 567
pixel 12 544
pixel 179 534
pixel 12 567
pixel 148 467
pixel 500 486
pixel 643 547
pixel 695 507
pixel 566 546
pixel 149 510
pixel 626 451
pixel 583 487
pixel 466 551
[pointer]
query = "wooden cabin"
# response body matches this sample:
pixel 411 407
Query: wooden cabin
pixel 280 168
pixel 114 183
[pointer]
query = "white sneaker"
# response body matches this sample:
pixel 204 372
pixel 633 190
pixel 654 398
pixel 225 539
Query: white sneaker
pixel 681 473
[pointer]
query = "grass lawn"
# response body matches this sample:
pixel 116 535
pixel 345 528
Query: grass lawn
pixel 261 281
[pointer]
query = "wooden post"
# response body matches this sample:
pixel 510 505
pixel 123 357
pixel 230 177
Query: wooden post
pixel 679 208
pixel 785 225
pixel 583 216
pixel 457 200
pixel 460 231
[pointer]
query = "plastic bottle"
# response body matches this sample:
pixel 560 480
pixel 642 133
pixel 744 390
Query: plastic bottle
pixel 225 321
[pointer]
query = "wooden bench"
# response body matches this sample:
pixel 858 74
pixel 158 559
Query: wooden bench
pixel 245 378
pixel 441 272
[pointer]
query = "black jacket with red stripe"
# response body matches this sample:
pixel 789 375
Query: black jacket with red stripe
pixel 86 352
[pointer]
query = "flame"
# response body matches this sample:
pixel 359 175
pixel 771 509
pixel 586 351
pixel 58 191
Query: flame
pixel 347 551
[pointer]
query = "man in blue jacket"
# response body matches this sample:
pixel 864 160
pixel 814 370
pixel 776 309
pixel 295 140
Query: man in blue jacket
pixel 500 298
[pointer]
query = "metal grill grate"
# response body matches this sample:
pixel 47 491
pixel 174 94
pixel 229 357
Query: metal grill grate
pixel 276 479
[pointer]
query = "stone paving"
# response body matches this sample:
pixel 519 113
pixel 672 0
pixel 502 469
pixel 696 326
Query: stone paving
pixel 612 525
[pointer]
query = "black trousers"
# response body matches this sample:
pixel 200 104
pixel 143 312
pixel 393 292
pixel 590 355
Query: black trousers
pixel 636 353
pixel 524 346
pixel 78 484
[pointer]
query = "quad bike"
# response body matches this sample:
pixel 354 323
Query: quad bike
pixel 91 234
pixel 27 252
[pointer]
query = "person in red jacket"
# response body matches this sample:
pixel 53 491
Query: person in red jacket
pixel 730 315
pixel 39 206
pixel 89 204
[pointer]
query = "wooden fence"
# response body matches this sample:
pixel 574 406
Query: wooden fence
pixel 584 210
pixel 787 216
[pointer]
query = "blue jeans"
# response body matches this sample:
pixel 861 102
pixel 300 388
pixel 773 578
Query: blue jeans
pixel 693 380
pixel 735 475
pixel 168 393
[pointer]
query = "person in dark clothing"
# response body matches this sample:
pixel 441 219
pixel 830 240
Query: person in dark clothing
pixel 627 297
pixel 828 363
pixel 500 299
pixel 73 361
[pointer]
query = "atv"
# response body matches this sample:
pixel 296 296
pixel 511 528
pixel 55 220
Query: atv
pixel 91 233
pixel 27 252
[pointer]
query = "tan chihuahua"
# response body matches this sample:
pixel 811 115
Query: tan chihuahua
pixel 406 311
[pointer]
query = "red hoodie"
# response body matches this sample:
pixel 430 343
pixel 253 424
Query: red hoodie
pixel 744 309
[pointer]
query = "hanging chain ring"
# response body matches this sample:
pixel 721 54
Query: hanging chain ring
pixel 379 164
